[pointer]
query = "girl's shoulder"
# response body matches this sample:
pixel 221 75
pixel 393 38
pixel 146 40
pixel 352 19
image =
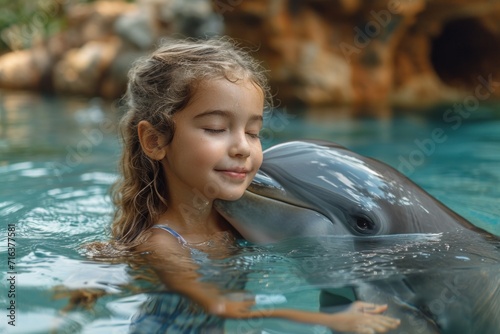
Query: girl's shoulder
pixel 170 230
pixel 163 239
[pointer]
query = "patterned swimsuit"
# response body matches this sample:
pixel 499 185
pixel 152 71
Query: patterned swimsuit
pixel 169 312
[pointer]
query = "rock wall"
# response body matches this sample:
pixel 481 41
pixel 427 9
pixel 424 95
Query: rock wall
pixel 93 54
pixel 374 52
pixel 321 53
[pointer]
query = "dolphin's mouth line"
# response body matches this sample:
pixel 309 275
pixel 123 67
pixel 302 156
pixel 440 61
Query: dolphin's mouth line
pixel 296 203
pixel 265 186
pixel 361 226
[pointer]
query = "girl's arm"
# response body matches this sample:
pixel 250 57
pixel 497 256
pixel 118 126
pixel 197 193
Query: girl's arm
pixel 177 270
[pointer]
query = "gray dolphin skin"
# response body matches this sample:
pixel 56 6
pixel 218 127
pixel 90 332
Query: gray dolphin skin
pixel 320 188
pixel 312 188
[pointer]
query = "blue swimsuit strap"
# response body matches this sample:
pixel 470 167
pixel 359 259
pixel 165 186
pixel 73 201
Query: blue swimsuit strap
pixel 171 231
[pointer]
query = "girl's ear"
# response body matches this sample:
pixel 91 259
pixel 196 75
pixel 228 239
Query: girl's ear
pixel 152 142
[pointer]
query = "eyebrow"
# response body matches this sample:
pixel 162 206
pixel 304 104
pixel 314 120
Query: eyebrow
pixel 226 114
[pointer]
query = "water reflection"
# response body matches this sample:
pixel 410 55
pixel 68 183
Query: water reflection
pixel 59 200
pixel 427 279
pixel 32 125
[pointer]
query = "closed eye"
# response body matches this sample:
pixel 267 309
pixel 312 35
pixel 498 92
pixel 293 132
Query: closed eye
pixel 214 130
pixel 254 135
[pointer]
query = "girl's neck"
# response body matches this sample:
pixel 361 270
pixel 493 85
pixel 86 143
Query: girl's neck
pixel 194 218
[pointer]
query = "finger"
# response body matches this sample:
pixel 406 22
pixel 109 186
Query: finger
pixel 373 308
pixel 388 321
pixel 382 323
pixel 379 328
pixel 359 304
pixel 365 330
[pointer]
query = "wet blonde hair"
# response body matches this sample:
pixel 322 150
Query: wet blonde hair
pixel 160 85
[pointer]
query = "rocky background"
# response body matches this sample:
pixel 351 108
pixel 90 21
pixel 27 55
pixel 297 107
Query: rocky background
pixel 367 54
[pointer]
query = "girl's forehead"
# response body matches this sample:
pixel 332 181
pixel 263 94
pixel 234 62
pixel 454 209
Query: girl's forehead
pixel 225 86
pixel 241 96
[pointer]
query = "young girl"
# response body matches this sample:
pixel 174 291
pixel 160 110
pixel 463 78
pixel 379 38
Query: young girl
pixel 191 135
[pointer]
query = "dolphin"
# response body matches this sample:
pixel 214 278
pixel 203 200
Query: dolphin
pixel 321 188
pixel 317 188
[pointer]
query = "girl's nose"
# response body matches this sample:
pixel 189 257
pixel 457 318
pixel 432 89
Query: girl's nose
pixel 240 147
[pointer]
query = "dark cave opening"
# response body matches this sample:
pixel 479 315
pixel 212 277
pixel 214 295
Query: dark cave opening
pixel 465 50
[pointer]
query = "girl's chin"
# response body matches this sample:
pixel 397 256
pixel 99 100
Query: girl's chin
pixel 231 196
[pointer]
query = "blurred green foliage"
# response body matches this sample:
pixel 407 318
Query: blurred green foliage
pixel 23 21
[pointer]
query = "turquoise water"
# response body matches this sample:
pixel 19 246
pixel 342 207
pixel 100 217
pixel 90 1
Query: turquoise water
pixel 58 159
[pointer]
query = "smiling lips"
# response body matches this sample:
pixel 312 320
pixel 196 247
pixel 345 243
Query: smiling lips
pixel 234 173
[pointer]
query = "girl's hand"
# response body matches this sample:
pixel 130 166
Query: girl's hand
pixel 362 318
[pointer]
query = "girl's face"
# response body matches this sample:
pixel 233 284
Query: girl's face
pixel 215 151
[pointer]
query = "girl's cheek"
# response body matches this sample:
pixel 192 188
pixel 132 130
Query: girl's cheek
pixel 259 158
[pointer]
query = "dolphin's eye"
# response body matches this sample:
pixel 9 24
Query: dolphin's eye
pixel 364 225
